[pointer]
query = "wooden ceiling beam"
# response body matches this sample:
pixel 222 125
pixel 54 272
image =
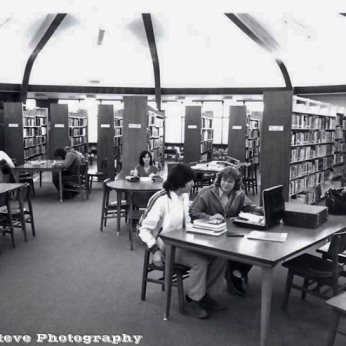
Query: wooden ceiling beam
pixel 29 64
pixel 149 30
pixel 262 43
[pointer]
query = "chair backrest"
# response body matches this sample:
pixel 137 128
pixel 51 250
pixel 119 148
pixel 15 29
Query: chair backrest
pixel 337 245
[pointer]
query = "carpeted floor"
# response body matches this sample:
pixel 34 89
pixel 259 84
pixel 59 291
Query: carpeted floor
pixel 73 279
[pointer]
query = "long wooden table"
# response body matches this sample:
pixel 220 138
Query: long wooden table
pixel 44 166
pixel 265 254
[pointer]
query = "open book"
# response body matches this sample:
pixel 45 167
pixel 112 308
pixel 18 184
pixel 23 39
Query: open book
pixel 265 235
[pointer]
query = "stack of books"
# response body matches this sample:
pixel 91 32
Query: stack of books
pixel 209 227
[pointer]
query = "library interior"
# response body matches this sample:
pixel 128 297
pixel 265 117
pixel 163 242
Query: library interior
pixel 150 152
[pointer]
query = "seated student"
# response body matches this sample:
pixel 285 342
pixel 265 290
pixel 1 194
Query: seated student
pixel 145 168
pixel 6 173
pixel 80 155
pixel 223 200
pixel 4 156
pixel 71 163
pixel 168 210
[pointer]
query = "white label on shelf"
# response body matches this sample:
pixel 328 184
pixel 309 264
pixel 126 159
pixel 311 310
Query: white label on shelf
pixel 276 128
pixel 105 126
pixel 135 126
pixel 13 125
pixel 237 127
pixel 192 126
pixel 59 125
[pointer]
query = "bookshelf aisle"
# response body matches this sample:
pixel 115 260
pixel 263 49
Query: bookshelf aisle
pixel 78 131
pixel 35 123
pixel 118 138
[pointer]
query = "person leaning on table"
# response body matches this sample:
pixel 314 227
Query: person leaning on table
pixel 167 210
pixel 70 164
pixel 225 199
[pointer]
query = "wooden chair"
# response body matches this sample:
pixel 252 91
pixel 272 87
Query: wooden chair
pixel 180 272
pixel 6 222
pixel 19 218
pixel 250 178
pixel 139 204
pixel 317 272
pixel 82 182
pixel 338 305
pixel 27 178
pixel 98 175
pixel 109 209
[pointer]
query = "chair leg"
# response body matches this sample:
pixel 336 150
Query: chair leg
pixel 334 327
pixel 289 282
pixel 145 274
pixel 180 292
pixel 131 234
pixel 305 286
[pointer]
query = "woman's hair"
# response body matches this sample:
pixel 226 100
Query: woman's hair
pixel 141 156
pixel 60 152
pixel 179 175
pixel 7 171
pixel 229 173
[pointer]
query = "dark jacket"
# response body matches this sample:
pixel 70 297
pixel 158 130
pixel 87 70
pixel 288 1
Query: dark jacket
pixel 208 203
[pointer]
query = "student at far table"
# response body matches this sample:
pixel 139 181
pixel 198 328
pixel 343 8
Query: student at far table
pixel 225 199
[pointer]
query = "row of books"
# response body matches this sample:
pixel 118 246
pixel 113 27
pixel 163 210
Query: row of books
pixel 34 131
pixel 318 136
pixel 313 122
pixel 311 152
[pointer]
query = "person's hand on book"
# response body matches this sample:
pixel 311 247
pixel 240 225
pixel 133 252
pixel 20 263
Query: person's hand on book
pixel 217 217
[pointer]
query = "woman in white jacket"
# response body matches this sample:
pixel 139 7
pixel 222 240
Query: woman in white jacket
pixel 168 210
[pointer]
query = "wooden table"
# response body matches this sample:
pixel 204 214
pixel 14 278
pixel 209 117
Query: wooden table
pixel 44 166
pixel 7 188
pixel 122 185
pixel 265 254
pixel 214 167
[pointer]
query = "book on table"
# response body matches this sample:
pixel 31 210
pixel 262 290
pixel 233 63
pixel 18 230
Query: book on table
pixel 209 227
pixel 269 236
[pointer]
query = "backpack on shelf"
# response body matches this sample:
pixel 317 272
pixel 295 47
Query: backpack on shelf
pixel 336 201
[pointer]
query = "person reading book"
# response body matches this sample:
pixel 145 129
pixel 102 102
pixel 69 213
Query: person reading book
pixel 225 199
pixel 168 210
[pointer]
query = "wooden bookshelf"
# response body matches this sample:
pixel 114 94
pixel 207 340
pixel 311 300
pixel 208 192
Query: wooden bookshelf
pixel 13 131
pixel 58 129
pixel 198 143
pixel 35 123
pixel 78 131
pixel 135 134
pixel 276 140
pixel 156 134
pixel 313 144
pixel 118 137
pixel 252 141
pixel 237 132
pixel 105 138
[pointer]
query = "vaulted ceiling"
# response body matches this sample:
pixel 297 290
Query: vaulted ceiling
pixel 193 49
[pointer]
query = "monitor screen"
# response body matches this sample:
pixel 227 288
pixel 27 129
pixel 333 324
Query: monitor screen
pixel 274 204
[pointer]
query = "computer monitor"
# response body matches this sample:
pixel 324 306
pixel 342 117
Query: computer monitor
pixel 274 204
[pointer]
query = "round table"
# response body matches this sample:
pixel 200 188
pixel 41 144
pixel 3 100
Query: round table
pixel 122 185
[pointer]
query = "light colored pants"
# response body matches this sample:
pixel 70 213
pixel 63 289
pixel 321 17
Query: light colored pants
pixel 206 274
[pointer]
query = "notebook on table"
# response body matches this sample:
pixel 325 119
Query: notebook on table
pixel 209 227
pixel 274 208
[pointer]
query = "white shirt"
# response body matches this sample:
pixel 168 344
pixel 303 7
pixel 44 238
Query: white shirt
pixel 4 156
pixel 163 214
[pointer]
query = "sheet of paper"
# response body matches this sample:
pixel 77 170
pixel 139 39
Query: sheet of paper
pixel 269 236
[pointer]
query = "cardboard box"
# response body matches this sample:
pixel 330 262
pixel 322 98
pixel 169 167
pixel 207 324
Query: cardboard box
pixel 304 215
